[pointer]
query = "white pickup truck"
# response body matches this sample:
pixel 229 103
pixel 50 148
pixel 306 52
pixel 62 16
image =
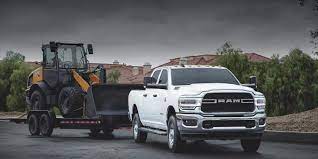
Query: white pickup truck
pixel 197 103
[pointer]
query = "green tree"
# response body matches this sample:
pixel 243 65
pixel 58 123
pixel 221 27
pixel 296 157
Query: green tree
pixel 235 60
pixel 113 77
pixel 15 101
pixel 8 65
pixel 290 83
pixel 298 78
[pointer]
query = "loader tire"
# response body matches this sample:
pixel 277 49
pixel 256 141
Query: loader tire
pixel 38 101
pixel 70 102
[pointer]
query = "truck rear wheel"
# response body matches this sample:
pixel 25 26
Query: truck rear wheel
pixel 250 145
pixel 33 123
pixel 70 102
pixel 139 136
pixel 46 125
pixel 38 101
pixel 174 141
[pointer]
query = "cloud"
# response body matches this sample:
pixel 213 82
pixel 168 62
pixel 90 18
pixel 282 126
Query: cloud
pixel 135 31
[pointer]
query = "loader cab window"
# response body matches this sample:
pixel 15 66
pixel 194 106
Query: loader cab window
pixel 156 75
pixel 71 56
pixel 49 58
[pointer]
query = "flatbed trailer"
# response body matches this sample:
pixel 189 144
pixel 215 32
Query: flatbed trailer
pixel 43 122
pixel 105 109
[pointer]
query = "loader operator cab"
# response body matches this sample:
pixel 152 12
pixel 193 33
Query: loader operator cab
pixel 65 56
pixel 60 58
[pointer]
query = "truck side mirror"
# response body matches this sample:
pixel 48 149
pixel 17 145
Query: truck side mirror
pixel 90 48
pixel 53 46
pixel 253 80
pixel 148 80
pixel 252 83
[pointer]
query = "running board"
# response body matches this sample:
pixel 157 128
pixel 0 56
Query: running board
pixel 155 131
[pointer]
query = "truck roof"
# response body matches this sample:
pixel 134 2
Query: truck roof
pixel 190 66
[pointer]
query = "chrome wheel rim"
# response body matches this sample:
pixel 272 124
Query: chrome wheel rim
pixel 135 130
pixel 171 137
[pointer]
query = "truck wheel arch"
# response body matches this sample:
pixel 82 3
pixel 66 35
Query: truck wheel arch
pixel 170 111
pixel 134 111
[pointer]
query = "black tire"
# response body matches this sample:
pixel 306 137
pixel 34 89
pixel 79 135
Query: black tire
pixel 139 136
pixel 94 132
pixel 250 145
pixel 175 143
pixel 70 102
pixel 46 125
pixel 108 125
pixel 38 101
pixel 33 123
pixel 108 131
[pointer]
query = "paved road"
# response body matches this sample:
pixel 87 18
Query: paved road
pixel 15 142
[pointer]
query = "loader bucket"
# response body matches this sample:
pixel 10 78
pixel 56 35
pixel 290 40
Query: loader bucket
pixel 109 99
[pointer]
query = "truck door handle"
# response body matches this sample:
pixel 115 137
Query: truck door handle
pixel 145 95
pixel 155 95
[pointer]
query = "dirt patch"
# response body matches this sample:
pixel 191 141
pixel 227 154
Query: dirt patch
pixel 5 115
pixel 301 122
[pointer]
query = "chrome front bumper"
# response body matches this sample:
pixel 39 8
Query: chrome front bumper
pixel 199 132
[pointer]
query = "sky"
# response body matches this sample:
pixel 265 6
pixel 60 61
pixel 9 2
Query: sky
pixel 139 31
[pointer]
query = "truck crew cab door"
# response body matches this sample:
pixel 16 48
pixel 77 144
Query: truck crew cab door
pixel 50 67
pixel 159 101
pixel 146 114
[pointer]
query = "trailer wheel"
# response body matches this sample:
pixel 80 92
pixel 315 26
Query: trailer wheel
pixel 139 136
pixel 33 122
pixel 46 125
pixel 94 132
pixel 108 131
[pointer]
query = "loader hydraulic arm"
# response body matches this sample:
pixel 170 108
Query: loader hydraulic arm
pixel 83 83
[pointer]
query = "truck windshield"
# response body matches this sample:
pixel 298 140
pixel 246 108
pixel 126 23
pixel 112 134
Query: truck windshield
pixel 71 56
pixel 189 76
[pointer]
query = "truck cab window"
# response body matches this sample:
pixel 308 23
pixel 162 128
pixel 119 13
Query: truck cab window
pixel 156 75
pixel 164 77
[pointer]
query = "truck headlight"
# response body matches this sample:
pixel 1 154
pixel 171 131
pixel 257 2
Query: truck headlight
pixel 260 103
pixel 189 103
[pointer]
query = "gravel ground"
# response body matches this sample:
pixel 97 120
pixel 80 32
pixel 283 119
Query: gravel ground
pixel 301 122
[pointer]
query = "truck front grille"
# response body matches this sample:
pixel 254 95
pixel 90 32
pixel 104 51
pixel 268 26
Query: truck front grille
pixel 207 124
pixel 227 102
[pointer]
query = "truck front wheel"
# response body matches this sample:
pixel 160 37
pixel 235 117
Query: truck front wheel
pixel 139 136
pixel 250 145
pixel 174 140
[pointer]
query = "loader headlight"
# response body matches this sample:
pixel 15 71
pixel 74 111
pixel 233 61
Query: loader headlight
pixel 189 103
pixel 260 103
